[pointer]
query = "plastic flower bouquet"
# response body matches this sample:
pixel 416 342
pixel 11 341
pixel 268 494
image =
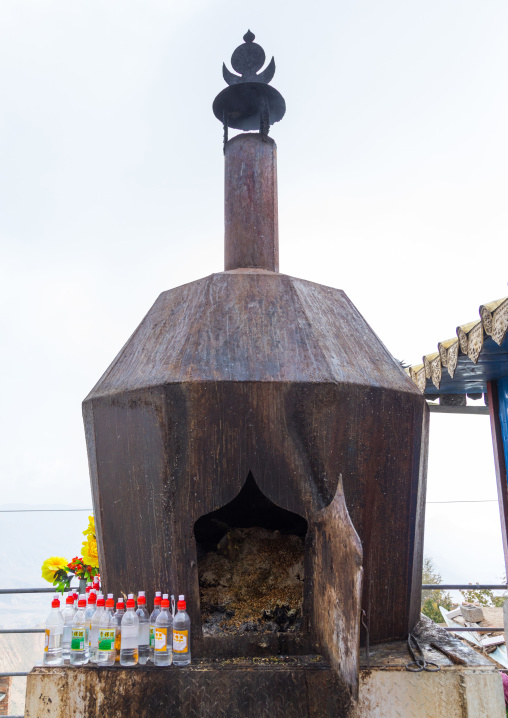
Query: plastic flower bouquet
pixel 60 572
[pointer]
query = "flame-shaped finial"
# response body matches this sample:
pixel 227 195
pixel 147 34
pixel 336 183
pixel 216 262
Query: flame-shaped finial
pixel 249 103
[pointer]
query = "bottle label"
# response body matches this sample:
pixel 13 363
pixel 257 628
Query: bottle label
pixel 161 639
pixel 180 641
pixel 106 639
pixel 53 638
pixel 79 638
pixel 118 640
pixel 152 636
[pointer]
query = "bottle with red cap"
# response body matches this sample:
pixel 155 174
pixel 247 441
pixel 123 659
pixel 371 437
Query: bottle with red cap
pixel 130 633
pixel 53 637
pixel 119 614
pixel 107 631
pixel 144 629
pixel 163 653
pixel 68 615
pixel 89 614
pixel 181 635
pixel 79 636
pixel 93 646
pixel 153 618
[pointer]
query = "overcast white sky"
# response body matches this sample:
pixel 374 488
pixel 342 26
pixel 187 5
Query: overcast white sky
pixel 393 181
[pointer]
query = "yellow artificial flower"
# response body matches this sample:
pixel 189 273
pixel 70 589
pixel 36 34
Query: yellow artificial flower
pixel 90 530
pixel 89 552
pixel 51 566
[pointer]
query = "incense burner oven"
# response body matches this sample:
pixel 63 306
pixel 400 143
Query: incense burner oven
pixel 256 447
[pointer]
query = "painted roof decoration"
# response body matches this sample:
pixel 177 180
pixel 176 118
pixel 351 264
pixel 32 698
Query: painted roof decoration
pixel 477 354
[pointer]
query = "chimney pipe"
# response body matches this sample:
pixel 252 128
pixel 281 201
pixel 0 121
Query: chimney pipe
pixel 251 215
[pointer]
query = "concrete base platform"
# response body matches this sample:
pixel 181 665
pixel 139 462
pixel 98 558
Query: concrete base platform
pixel 259 691
pixel 279 687
pixel 451 693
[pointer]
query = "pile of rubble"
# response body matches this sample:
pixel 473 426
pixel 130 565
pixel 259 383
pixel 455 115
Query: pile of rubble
pixel 491 642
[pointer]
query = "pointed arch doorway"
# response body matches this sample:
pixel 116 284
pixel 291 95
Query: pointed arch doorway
pixel 251 569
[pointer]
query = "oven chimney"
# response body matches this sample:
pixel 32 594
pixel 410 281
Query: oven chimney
pixel 251 216
pixel 251 237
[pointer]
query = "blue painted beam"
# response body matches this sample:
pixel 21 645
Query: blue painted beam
pixel 502 393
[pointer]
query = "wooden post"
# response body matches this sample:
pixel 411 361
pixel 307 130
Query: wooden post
pixel 499 463
pixel 5 687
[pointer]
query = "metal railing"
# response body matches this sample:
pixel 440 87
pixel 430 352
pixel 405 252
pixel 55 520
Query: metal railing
pixel 22 674
pixel 464 586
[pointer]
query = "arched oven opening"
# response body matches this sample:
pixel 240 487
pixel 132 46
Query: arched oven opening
pixel 251 566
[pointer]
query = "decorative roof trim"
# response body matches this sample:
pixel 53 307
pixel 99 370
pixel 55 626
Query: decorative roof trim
pixel 493 322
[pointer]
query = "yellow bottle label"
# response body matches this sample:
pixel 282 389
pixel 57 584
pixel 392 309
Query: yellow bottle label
pixel 118 643
pixel 161 639
pixel 180 641
pixel 46 640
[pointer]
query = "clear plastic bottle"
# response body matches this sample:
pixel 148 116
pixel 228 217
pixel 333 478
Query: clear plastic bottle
pixel 89 614
pixel 153 618
pixel 181 635
pixel 130 631
pixel 163 652
pixel 68 615
pixel 53 655
pixel 94 629
pixel 144 629
pixel 106 653
pixel 79 637
pixel 119 614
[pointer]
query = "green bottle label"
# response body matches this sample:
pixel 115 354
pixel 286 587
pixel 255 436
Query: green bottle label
pixel 106 639
pixel 79 635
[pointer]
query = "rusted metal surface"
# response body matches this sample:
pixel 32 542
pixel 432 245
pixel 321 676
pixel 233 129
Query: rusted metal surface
pixel 251 214
pixel 335 604
pixel 264 373
pixel 296 688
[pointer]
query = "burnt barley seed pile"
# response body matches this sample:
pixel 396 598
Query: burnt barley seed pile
pixel 252 582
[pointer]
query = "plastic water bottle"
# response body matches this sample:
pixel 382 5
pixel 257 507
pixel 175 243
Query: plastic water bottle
pixel 153 618
pixel 163 653
pixel 94 629
pixel 130 631
pixel 119 614
pixel 53 655
pixel 68 615
pixel 89 614
pixel 106 653
pixel 181 635
pixel 144 629
pixel 79 635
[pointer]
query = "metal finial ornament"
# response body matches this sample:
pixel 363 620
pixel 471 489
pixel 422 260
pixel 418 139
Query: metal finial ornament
pixel 249 103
